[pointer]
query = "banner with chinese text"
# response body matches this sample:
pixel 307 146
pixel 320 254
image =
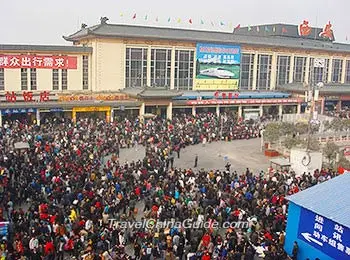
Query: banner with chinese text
pixel 37 62
pixel 218 67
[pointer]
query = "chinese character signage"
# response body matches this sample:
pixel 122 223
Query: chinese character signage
pixel 99 97
pixel 324 234
pixel 38 62
pixel 304 29
pixel 242 101
pixel 26 96
pixel 218 67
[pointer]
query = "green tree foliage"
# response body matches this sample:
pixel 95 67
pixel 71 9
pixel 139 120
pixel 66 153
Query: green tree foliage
pixel 330 151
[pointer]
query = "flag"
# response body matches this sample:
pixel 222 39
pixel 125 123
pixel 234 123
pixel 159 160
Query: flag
pixel 249 28
pixel 267 29
pixel 202 22
pixel 156 19
pixel 230 25
pixel 346 38
pixel 146 17
pixel 179 20
pixel 212 23
pixel 274 29
pixel 284 30
pixel 134 16
pixel 121 14
pixel 190 21
pixel 257 29
pixel 169 19
pixel 238 26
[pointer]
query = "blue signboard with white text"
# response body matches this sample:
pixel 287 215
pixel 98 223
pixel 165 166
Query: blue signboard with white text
pixel 324 234
pixel 10 111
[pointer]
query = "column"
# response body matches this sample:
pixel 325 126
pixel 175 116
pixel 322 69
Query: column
pixel 280 111
pixel 322 105
pixel 343 72
pixel 291 69
pixel 261 110
pixel 240 112
pixel 0 119
pixel 330 70
pixel 255 71
pixel 307 69
pixel 149 83
pixel 217 110
pixel 108 116
pixel 142 109
pixel 172 69
pixel 169 111
pixel 339 105
pixel 38 117
pixel 112 115
pixel 74 116
pixel 273 71
pixel 298 108
pixel 194 111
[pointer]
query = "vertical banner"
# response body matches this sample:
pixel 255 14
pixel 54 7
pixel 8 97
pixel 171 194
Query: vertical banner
pixel 218 67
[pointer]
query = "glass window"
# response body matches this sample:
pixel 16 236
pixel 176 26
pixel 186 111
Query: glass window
pixel 160 67
pixel 33 84
pixel 318 74
pixel 55 79
pixel 283 67
pixel 85 72
pixel 247 67
pixel 299 69
pixel 347 72
pixel 24 79
pixel 2 79
pixel 264 72
pixel 136 67
pixel 64 78
pixel 337 68
pixel 184 62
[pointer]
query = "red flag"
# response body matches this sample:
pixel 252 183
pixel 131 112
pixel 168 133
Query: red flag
pixel 238 26
pixel 190 21
pixel 284 30
pixel 134 16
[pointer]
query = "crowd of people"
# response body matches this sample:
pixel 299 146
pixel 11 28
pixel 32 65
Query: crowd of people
pixel 60 196
pixel 342 113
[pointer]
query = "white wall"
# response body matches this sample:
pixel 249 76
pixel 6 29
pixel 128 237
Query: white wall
pixel 296 160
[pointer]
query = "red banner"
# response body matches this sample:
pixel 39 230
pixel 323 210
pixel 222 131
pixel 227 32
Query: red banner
pixel 38 62
pixel 243 101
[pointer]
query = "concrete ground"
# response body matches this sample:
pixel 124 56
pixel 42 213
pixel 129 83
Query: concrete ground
pixel 240 153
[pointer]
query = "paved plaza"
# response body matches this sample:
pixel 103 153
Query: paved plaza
pixel 240 153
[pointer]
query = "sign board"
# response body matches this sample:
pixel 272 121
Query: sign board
pixel 243 101
pixel 37 62
pixel 96 97
pixel 324 234
pixel 218 66
pixel 10 111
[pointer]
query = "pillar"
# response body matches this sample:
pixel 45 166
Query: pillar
pixel 148 80
pixel 298 108
pixel 172 69
pixel 0 119
pixel 330 70
pixel 74 116
pixel 240 111
pixel 38 117
pixel 273 71
pixel 194 111
pixel 339 105
pixel 307 69
pixel 291 69
pixel 217 110
pixel 343 72
pixel 142 109
pixel 255 70
pixel 108 116
pixel 322 105
pixel 169 111
pixel 280 111
pixel 261 110
pixel 112 115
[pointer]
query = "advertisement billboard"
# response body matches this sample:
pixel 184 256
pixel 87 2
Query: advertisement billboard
pixel 218 67
pixel 38 62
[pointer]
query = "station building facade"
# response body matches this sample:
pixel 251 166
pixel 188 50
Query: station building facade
pixel 113 70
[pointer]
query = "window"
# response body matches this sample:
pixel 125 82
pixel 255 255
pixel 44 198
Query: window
pixel 64 78
pixel 85 72
pixel 33 84
pixel 55 79
pixel 264 72
pixel 318 74
pixel 184 63
pixel 247 68
pixel 24 79
pixel 283 67
pixel 136 67
pixel 2 79
pixel 347 72
pixel 160 67
pixel 337 69
pixel 299 69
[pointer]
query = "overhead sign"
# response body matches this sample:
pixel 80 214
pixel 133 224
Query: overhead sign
pixel 324 234
pixel 98 97
pixel 218 67
pixel 37 62
pixel 243 101
pixel 327 32
pixel 304 29
pixel 26 96
pixel 10 111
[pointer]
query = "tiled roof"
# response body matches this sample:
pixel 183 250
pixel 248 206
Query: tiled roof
pixel 45 48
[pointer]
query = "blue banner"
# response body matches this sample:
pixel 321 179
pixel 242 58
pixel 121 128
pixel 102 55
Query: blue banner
pixel 218 54
pixel 10 111
pixel 324 234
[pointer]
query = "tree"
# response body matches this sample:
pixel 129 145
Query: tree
pixel 330 151
pixel 301 128
pixel 287 128
pixel 272 132
pixel 290 142
pixel 314 144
